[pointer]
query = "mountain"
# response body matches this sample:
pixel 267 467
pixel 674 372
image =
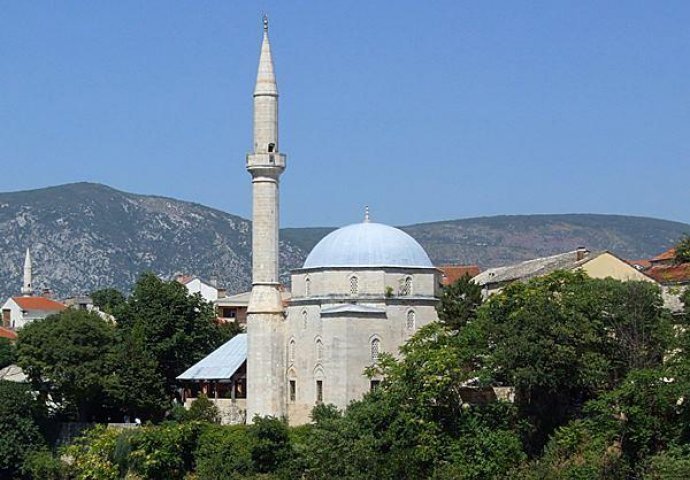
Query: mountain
pixel 85 236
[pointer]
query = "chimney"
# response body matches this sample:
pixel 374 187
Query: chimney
pixel 47 293
pixel 222 293
pixel 581 253
pixel 213 281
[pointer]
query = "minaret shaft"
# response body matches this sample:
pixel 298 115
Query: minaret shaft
pixel 27 288
pixel 266 319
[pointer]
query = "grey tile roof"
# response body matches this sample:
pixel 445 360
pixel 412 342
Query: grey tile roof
pixel 220 364
pixel 533 268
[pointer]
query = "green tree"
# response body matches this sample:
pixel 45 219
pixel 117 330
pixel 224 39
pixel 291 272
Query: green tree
pixel 8 352
pixel 176 328
pixel 65 355
pixel 565 338
pixel 20 434
pixel 683 250
pixel 108 299
pixel 459 302
pixel 135 385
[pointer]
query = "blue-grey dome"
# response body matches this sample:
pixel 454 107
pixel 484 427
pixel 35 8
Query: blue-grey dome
pixel 367 245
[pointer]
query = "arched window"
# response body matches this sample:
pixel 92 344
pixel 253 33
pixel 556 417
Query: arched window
pixel 406 286
pixel 319 350
pixel 291 351
pixel 354 285
pixel 411 320
pixel 307 287
pixel 375 350
pixel 304 319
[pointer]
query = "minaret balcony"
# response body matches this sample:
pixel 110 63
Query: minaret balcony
pixel 268 160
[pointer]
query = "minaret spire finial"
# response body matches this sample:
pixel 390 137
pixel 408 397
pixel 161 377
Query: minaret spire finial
pixel 367 217
pixel 265 20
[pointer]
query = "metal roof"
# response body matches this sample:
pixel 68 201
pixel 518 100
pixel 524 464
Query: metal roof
pixel 220 364
pixel 368 245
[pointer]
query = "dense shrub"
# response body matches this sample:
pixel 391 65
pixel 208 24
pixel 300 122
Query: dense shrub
pixel 224 452
pixel 44 465
pixel 20 434
pixel 165 451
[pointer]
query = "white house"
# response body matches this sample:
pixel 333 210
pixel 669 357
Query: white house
pixel 18 311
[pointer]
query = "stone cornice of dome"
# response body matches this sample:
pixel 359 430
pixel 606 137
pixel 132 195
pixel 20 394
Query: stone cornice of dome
pixel 302 270
pixel 345 299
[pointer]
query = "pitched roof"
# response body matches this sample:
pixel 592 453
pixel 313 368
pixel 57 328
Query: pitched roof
pixel 7 333
pixel 669 254
pixel 535 267
pixel 640 264
pixel 220 364
pixel 452 273
pixel 665 274
pixel 38 303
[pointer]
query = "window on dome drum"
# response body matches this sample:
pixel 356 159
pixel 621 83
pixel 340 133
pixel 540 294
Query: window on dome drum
pixel 406 286
pixel 411 320
pixel 319 350
pixel 354 285
pixel 307 287
pixel 375 350
pixel 319 391
pixel 293 390
pixel 291 351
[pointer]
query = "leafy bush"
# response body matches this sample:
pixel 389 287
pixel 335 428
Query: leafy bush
pixel 43 464
pixel 165 451
pixel 271 444
pixel 91 456
pixel 20 434
pixel 224 452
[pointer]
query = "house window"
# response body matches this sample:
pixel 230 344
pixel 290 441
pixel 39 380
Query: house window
pixel 374 384
pixel 319 350
pixel 406 286
pixel 319 391
pixel 411 320
pixel 293 390
pixel 354 285
pixel 291 351
pixel 307 287
pixel 375 350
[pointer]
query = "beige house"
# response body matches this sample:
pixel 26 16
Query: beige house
pixel 602 264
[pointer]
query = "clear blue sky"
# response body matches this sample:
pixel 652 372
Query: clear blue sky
pixel 423 110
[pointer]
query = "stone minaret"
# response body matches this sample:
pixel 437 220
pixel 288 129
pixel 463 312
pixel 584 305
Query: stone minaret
pixel 265 321
pixel 27 289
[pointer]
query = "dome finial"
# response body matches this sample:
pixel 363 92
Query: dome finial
pixel 265 20
pixel 367 217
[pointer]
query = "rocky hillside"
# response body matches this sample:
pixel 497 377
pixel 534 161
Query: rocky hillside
pixel 85 236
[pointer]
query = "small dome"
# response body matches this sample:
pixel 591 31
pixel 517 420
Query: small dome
pixel 368 245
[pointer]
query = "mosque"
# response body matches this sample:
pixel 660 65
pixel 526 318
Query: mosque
pixel 364 289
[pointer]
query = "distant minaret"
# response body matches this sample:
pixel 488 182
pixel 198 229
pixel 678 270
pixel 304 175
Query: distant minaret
pixel 265 321
pixel 27 289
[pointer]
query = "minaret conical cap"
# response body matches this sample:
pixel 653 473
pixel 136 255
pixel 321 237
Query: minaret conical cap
pixel 27 259
pixel 266 77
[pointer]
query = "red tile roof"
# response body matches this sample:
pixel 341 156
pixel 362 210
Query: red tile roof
pixel 452 273
pixel 643 263
pixel 7 333
pixel 670 273
pixel 669 254
pixel 38 303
